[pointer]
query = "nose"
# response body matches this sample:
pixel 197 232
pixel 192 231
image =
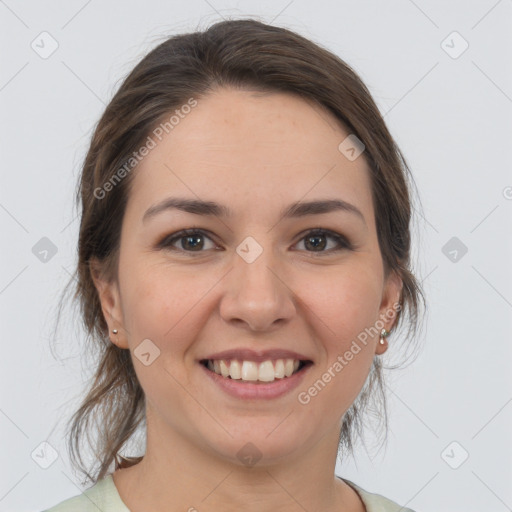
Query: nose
pixel 257 295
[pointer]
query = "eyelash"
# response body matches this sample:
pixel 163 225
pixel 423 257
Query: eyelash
pixel 343 243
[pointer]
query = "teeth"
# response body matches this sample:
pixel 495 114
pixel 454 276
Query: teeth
pixel 249 371
pixel 235 371
pixel 288 367
pixel 267 371
pixel 224 368
pixel 279 369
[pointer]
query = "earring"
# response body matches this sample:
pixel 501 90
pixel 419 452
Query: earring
pixel 115 331
pixel 383 334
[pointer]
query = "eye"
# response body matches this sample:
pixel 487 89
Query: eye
pixel 317 240
pixel 192 240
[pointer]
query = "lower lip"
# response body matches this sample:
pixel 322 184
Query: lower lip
pixel 262 390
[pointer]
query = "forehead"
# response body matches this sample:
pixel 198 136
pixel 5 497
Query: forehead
pixel 241 147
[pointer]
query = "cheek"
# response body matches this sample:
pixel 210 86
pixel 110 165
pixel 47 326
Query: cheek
pixel 346 300
pixel 346 305
pixel 162 303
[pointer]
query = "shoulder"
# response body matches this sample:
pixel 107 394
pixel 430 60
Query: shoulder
pixel 101 496
pixel 376 502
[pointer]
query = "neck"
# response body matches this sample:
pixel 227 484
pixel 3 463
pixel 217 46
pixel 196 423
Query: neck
pixel 178 476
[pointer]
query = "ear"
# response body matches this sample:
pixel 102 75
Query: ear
pixel 390 305
pixel 108 293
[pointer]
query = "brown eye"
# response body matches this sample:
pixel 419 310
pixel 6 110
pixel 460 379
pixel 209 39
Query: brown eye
pixel 188 240
pixel 317 240
pixel 196 241
pixel 193 242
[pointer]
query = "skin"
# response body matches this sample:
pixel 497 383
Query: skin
pixel 255 153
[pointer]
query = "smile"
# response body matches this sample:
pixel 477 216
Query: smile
pixel 241 378
pixel 251 371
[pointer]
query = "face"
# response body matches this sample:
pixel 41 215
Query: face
pixel 250 276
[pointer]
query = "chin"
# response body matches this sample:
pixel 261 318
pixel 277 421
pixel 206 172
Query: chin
pixel 254 446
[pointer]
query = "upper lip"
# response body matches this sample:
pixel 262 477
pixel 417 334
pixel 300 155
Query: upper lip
pixel 258 356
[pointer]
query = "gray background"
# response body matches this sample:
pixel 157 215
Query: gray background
pixel 450 112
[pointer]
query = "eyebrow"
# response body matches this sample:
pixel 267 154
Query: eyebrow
pixel 211 208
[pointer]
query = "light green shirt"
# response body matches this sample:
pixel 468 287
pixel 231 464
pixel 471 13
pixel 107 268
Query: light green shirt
pixel 103 496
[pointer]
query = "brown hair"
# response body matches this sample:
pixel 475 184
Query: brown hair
pixel 245 54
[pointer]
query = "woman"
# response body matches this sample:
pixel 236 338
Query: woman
pixel 244 255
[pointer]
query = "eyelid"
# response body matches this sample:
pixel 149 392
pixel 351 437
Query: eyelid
pixel 177 235
pixel 341 240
